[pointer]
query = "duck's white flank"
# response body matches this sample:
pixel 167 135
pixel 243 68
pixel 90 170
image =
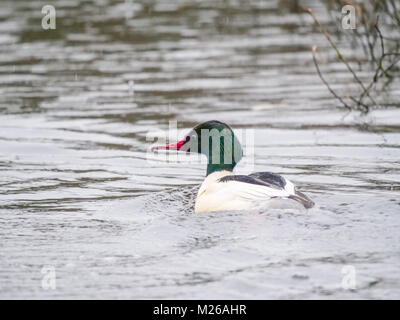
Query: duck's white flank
pixel 235 195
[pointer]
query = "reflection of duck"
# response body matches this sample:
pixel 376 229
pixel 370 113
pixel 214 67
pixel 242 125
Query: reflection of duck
pixel 223 190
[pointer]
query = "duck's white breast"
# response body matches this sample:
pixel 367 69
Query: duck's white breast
pixel 232 195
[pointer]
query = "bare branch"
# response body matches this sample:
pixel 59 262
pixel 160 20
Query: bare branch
pixel 314 50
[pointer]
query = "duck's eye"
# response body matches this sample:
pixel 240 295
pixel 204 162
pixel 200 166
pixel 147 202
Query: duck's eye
pixel 187 138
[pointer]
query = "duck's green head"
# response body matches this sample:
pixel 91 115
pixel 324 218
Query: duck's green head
pixel 216 141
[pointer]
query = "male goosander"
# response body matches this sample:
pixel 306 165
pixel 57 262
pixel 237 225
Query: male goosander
pixel 223 190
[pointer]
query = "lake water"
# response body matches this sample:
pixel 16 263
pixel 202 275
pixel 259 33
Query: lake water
pixel 81 195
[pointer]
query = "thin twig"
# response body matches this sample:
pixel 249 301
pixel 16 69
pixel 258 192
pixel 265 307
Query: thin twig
pixel 365 108
pixel 340 56
pixel 314 50
pixel 379 68
pixel 380 71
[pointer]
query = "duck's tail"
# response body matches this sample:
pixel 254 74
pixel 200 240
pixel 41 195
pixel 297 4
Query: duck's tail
pixel 303 199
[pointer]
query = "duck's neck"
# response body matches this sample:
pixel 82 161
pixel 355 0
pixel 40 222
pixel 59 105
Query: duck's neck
pixel 230 152
pixel 219 167
pixel 215 167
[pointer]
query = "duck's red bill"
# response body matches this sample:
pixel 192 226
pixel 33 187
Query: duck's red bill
pixel 172 146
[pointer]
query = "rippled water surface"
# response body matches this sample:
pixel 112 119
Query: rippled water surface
pixel 78 192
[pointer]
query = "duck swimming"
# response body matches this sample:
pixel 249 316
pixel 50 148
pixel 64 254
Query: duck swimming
pixel 223 190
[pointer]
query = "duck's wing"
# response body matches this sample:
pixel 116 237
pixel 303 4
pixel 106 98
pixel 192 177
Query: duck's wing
pixel 275 180
pixel 266 179
pixel 270 184
pixel 270 179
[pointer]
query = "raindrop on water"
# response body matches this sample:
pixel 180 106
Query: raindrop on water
pixel 131 86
